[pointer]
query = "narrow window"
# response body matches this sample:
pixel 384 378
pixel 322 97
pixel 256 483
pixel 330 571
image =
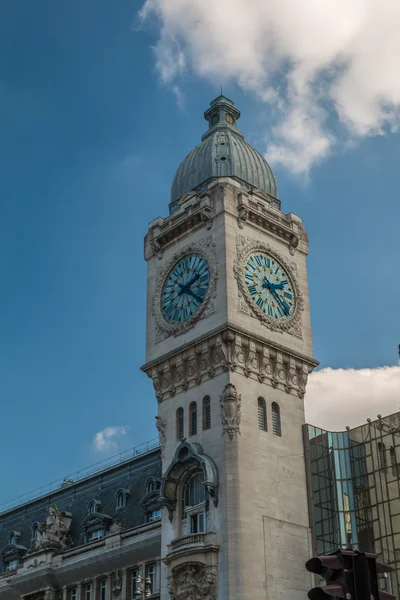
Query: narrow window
pixel 88 591
pixel 381 455
pixel 179 424
pixel 12 539
pixel 206 412
pixel 103 589
pixel 93 507
pixel 393 461
pixel 262 416
pixel 134 584
pixel 120 499
pixel 276 419
pixel 151 573
pixel 73 593
pixel 193 418
pixel 34 532
pixel 150 486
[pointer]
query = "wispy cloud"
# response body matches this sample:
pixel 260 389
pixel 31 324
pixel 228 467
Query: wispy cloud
pixel 308 60
pixel 107 440
pixel 339 397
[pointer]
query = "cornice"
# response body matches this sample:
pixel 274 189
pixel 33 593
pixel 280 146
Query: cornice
pixel 230 350
pixel 228 326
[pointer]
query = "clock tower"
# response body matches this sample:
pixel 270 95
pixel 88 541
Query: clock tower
pixel 229 352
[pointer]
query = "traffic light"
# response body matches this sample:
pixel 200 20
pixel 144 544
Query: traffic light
pixel 348 574
pixel 367 569
pixel 337 570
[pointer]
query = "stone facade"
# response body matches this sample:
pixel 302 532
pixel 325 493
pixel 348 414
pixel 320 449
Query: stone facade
pixel 89 534
pixel 233 355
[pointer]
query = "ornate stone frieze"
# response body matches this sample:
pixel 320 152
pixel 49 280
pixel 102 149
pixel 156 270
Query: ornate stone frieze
pixel 230 411
pixel 230 351
pixel 292 325
pixel 192 581
pixel 206 247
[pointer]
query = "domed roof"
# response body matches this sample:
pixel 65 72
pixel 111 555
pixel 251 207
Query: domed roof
pixel 223 153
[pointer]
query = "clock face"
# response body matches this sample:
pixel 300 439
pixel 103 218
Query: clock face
pixel 269 286
pixel 185 288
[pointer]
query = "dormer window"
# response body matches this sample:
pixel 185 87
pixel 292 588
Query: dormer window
pixel 150 486
pixel 11 565
pixel 121 498
pixel 96 534
pixel 34 532
pixel 12 538
pixel 94 507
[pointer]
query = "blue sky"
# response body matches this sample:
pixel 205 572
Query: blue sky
pixel 91 132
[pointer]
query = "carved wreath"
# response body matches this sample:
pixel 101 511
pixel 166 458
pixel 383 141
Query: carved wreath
pixel 244 247
pixel 206 247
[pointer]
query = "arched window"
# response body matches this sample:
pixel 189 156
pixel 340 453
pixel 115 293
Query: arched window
pixel 94 507
pixel 12 538
pixel 381 455
pixel 34 531
pixel 276 419
pixel 120 499
pixel 194 518
pixel 262 414
pixel 206 412
pixel 150 486
pixel 179 424
pixel 193 418
pixel 393 461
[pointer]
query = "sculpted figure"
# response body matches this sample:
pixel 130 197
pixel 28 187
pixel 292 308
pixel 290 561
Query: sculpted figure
pixel 54 532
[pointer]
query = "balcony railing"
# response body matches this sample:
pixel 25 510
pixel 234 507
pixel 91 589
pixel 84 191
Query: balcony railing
pixel 187 540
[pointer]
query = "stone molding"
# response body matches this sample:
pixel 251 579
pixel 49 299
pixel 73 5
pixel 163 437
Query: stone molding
pixel 161 425
pixel 230 351
pixel 231 403
pixel 244 247
pixel 206 247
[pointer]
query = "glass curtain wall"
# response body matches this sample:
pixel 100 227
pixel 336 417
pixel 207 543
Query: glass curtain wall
pixel 354 490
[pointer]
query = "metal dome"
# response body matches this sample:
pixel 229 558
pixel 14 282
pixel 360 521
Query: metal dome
pixel 223 153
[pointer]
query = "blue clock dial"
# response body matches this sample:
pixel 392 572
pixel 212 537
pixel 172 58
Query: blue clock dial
pixel 269 286
pixel 185 288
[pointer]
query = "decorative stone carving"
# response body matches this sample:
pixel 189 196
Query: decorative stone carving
pixel 115 527
pixel 243 215
pixel 230 411
pixel 116 583
pixel 187 456
pixel 207 248
pixel 54 532
pixel 293 243
pixel 192 581
pixel 230 351
pixel 162 431
pixel 244 246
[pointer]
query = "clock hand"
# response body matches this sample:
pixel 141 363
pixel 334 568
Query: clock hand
pixel 190 293
pixel 194 278
pixel 285 310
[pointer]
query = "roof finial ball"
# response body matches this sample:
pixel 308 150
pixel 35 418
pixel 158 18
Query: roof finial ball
pixel 348 427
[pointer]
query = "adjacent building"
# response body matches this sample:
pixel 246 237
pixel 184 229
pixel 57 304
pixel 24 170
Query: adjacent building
pixel 354 490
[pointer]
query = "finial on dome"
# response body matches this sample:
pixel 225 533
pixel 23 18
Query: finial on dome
pixel 222 114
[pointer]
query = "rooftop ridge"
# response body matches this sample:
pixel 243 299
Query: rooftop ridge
pixel 80 475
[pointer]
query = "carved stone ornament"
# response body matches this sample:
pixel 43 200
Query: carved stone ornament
pixel 244 247
pixel 54 532
pixel 230 351
pixel 161 425
pixel 187 456
pixel 116 583
pixel 206 247
pixel 192 581
pixel 230 411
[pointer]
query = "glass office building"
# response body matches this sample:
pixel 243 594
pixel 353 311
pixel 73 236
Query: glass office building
pixel 354 491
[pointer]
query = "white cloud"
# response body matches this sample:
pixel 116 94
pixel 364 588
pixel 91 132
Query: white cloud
pixel 309 60
pixel 106 440
pixel 339 397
